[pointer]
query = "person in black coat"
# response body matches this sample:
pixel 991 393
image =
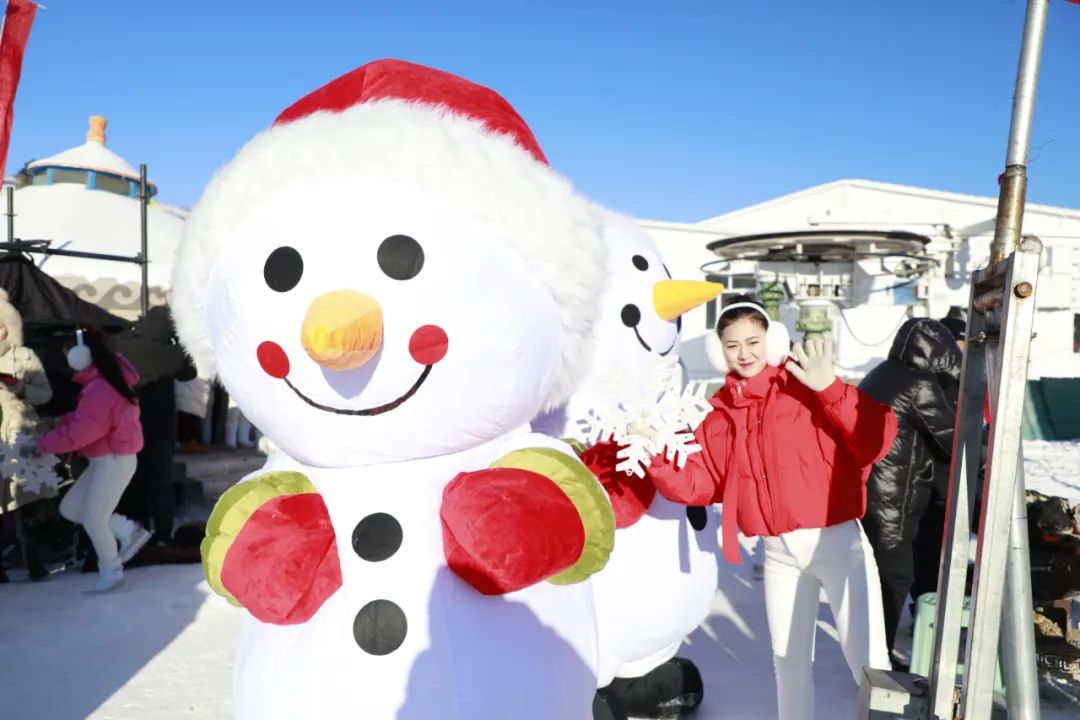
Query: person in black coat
pixel 932 526
pixel 915 382
pixel 160 360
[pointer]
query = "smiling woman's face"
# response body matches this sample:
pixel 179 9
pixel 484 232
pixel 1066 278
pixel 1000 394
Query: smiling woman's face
pixel 744 346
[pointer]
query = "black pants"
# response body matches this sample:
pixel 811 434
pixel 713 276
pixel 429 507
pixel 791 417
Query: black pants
pixel 896 568
pixel 927 551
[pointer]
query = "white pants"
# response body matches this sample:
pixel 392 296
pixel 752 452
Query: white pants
pixel 91 500
pixel 798 565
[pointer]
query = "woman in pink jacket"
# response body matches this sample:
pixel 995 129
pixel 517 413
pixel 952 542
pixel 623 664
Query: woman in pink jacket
pixel 105 429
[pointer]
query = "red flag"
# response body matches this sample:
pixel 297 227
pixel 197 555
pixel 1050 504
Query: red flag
pixel 18 17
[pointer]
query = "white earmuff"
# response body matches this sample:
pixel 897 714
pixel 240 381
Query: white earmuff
pixel 78 357
pixel 777 343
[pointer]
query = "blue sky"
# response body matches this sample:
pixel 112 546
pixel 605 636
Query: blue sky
pixel 672 110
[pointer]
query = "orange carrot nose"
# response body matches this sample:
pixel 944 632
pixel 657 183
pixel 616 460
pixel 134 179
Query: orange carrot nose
pixel 672 298
pixel 342 329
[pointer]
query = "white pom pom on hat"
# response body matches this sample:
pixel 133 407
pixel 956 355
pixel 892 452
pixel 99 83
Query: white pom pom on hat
pixel 777 339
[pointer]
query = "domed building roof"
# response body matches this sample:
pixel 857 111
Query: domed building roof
pixel 92 162
pixel 86 199
pixel 92 155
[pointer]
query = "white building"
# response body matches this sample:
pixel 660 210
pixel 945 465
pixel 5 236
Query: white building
pixel 959 230
pixel 86 199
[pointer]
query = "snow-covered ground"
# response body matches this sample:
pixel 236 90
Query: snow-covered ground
pixel 162 649
pixel 1053 468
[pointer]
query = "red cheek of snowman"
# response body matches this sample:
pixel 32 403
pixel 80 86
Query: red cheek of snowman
pixel 273 359
pixel 428 344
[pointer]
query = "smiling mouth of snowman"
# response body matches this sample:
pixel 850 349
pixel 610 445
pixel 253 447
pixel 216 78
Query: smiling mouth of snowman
pixel 366 412
pixel 631 318
pixel 649 349
pixel 427 346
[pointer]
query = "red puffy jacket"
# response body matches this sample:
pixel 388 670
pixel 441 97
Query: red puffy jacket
pixel 780 456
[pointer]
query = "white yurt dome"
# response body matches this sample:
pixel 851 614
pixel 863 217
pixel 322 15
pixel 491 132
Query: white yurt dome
pixel 86 199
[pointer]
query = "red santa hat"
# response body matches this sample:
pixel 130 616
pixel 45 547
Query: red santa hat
pixel 400 80
pixel 420 127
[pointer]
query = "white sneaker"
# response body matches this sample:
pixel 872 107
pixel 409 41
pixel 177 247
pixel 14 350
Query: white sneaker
pixel 122 527
pixel 109 579
pixel 129 534
pixel 134 543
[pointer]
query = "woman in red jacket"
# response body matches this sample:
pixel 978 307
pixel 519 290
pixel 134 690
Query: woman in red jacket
pixel 787 450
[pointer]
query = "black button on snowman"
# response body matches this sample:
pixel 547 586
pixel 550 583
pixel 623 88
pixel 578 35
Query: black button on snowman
pixel 380 626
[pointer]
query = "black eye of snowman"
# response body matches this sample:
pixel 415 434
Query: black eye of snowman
pixel 631 313
pixel 283 269
pixel 400 257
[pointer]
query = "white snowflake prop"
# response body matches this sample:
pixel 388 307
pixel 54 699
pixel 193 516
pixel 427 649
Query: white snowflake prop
pixel 659 418
pixel 31 470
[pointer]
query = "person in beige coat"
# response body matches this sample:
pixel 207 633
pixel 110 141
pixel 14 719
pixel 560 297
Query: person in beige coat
pixel 26 475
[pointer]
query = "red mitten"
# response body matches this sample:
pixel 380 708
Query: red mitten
pixel 270 547
pixel 507 528
pixel 630 495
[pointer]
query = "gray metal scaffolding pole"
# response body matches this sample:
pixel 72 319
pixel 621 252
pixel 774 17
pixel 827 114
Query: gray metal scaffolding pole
pixel 1018 640
pixel 1008 352
pixel 144 199
pixel 10 214
pixel 1017 620
pixel 967 447
pixel 1010 216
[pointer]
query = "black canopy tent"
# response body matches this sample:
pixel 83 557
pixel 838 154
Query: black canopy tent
pixel 50 314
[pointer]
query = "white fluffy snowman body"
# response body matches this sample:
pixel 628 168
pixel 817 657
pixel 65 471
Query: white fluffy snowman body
pixel 463 654
pixel 660 581
pixel 418 216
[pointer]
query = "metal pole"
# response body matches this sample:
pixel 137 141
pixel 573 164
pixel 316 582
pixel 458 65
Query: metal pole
pixel 144 199
pixel 1017 620
pixel 1008 356
pixel 1014 182
pixel 1017 612
pixel 1018 642
pixel 11 214
pixel 967 447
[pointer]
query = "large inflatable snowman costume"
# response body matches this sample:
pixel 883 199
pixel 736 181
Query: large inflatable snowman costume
pixel 391 283
pixel 662 576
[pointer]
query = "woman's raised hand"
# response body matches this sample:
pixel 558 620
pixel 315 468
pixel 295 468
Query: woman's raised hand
pixel 814 368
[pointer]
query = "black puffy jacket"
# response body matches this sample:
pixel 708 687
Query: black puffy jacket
pixel 924 356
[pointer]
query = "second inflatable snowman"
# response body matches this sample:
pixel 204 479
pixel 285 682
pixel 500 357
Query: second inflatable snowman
pixel 662 576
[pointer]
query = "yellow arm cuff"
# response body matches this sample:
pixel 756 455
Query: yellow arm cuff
pixel 232 511
pixel 585 492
